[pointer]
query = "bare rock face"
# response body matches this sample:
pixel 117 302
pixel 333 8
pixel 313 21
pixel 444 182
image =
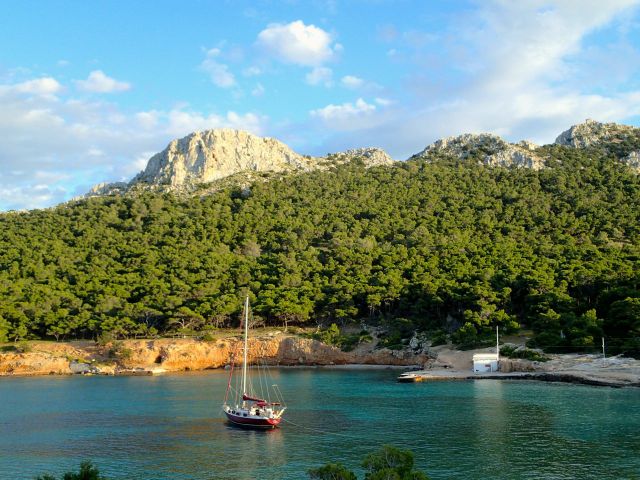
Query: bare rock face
pixel 590 133
pixel 171 355
pixel 490 149
pixel 633 160
pixel 203 157
pixel 107 189
pixel 372 157
pixel 177 355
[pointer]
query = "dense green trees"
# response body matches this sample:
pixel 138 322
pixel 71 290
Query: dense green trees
pixel 87 472
pixel 446 245
pixel 388 463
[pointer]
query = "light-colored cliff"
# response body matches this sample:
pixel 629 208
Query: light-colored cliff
pixel 488 149
pixel 187 354
pixel 204 157
pixel 590 133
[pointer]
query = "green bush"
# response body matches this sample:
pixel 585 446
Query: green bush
pixel 388 463
pixel 87 472
pixel 439 337
pixel 345 341
pixel 527 354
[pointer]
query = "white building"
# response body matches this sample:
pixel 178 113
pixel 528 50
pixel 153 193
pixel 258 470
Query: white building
pixel 485 362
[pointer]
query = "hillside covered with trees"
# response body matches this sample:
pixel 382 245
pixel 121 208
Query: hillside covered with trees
pixel 442 246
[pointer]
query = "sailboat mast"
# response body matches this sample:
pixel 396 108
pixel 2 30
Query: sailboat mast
pixel 246 342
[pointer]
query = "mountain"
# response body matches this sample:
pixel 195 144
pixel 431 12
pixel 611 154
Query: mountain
pixel 591 133
pixel 489 149
pixel 450 248
pixel 206 157
pixel 201 160
pixel 621 141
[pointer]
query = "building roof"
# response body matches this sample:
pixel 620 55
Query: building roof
pixel 479 357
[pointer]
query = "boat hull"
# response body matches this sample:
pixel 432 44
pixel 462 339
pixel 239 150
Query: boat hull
pixel 410 378
pixel 252 421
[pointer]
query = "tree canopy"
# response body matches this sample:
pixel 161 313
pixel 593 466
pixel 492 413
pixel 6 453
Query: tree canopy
pixel 439 245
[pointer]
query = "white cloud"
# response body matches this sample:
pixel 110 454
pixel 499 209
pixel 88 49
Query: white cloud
pixel 258 91
pixel 344 111
pixel 29 197
pixel 297 43
pixel 67 144
pixel 137 165
pixel 147 120
pixel 351 81
pixel 218 72
pixel 39 86
pixel 383 102
pixel 513 66
pixel 99 82
pixel 181 122
pixel 252 71
pixel 320 76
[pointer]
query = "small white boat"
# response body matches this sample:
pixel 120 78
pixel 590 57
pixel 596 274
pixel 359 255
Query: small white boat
pixel 410 377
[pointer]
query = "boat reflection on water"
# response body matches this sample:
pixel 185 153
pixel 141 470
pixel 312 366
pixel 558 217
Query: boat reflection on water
pixel 269 442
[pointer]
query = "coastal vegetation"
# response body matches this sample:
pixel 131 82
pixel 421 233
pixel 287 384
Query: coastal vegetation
pixel 388 463
pixel 441 246
pixel 86 472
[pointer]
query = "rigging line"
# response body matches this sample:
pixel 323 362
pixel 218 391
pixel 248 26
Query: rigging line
pixel 261 378
pixel 268 383
pixel 317 430
pixel 276 390
pixel 360 439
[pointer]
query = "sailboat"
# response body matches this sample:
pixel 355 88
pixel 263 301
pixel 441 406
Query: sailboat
pixel 248 408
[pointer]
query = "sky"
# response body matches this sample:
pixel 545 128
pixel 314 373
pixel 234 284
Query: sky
pixel 89 90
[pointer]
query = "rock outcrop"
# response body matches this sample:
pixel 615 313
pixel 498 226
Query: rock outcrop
pixel 101 189
pixel 42 358
pixel 633 160
pixel 591 133
pixel 139 356
pixel 489 149
pixel 212 155
pixel 372 157
pixel 204 157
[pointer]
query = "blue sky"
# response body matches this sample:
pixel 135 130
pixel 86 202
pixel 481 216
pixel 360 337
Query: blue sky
pixel 90 90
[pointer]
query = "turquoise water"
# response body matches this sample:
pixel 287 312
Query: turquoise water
pixel 171 427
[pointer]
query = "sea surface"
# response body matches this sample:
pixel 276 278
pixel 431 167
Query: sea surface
pixel 172 427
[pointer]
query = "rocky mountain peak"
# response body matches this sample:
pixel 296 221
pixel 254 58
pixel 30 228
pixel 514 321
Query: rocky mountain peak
pixel 207 156
pixel 490 149
pixel 371 156
pixel 203 157
pixel 591 132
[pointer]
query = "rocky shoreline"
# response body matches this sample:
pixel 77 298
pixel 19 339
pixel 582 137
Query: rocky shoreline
pixel 553 377
pixel 149 357
pixel 146 357
pixel 585 369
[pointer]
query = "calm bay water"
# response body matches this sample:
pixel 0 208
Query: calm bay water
pixel 171 427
